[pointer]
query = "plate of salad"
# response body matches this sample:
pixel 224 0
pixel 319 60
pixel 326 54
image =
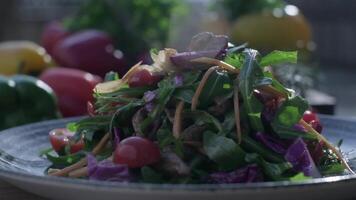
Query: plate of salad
pixel 211 122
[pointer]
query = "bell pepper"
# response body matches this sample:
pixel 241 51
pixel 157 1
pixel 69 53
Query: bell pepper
pixel 23 57
pixel 25 99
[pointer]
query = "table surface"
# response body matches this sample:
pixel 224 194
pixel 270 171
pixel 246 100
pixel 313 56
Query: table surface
pixel 9 192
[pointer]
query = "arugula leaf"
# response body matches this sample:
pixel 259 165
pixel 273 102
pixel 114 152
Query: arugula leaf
pixel 165 91
pixel 250 74
pixel 272 170
pixel 149 175
pixel 218 84
pixel 204 118
pixel 224 151
pixel 278 57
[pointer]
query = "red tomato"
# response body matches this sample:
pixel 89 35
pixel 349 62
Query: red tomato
pixel 52 34
pixel 142 78
pixel 136 152
pixel 310 116
pixel 60 138
pixel 73 88
pixel 312 119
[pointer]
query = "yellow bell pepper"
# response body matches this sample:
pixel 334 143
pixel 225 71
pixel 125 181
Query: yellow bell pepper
pixel 23 57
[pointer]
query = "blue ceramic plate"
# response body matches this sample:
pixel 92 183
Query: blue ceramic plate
pixel 21 166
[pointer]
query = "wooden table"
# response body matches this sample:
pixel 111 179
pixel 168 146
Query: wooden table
pixel 9 192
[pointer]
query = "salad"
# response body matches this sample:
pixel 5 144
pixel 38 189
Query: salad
pixel 212 114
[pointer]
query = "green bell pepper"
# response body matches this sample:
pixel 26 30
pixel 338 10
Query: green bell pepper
pixel 25 99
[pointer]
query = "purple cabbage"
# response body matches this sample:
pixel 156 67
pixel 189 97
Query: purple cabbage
pixel 272 143
pixel 248 174
pixel 202 45
pixel 107 170
pixel 178 80
pixel 149 96
pixel 300 128
pixel 298 155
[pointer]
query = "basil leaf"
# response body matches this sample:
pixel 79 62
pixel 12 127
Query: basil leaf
pixel 250 74
pixel 224 151
pixel 278 57
pixel 218 84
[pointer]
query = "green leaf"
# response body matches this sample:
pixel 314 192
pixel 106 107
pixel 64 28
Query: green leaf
pixel 72 127
pixel 203 118
pixel 111 76
pixel 277 85
pixel 252 145
pixel 149 175
pixel 235 60
pixel 215 87
pixel 224 151
pixel 291 133
pixel 184 94
pixel 291 111
pixel 63 161
pixel 332 169
pixel 278 57
pixel 165 91
pixel 191 77
pixel 299 177
pixel 250 74
pixel 273 170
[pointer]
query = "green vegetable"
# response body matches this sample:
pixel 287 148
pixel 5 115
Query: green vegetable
pixel 278 57
pixel 215 86
pixel 224 151
pixel 24 99
pixel 250 74
pixel 64 161
pixel 149 175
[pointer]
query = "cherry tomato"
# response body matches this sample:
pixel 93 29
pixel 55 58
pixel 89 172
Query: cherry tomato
pixel 143 77
pixel 136 152
pixel 310 116
pixel 316 125
pixel 60 138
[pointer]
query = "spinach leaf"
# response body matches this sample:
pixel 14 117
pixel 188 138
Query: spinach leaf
pixel 224 151
pixel 250 74
pixel 278 57
pixel 218 84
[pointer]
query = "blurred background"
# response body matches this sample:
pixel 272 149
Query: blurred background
pixel 321 30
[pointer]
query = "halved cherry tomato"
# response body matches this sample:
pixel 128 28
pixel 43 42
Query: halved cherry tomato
pixel 60 138
pixel 136 152
pixel 144 77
